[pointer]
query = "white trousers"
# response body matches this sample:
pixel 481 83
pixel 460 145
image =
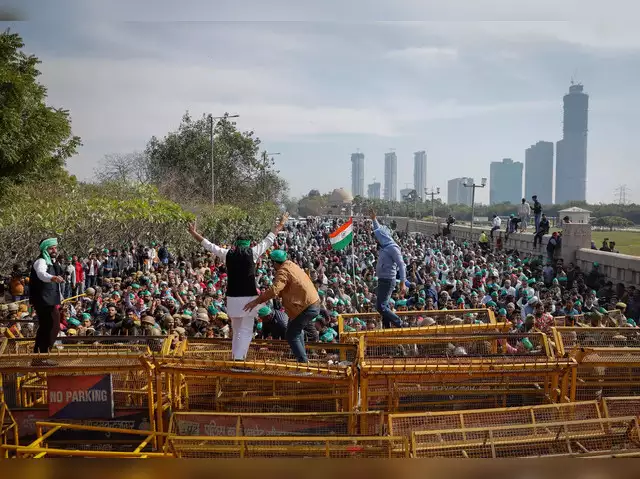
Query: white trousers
pixel 242 336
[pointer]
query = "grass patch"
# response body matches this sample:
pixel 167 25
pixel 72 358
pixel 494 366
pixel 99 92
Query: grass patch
pixel 627 242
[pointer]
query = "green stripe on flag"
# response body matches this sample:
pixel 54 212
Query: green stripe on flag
pixel 343 243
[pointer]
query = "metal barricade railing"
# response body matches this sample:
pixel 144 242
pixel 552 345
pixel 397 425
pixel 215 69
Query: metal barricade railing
pixel 608 360
pixel 387 447
pixel 430 318
pixel 354 336
pixel 277 424
pixel 463 371
pixel 555 439
pixel 405 424
pixel 124 443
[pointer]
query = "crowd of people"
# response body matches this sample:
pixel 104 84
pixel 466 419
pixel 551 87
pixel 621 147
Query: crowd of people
pixel 296 287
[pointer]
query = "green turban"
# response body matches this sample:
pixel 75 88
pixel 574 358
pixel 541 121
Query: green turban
pixel 264 311
pixel 46 244
pixel 278 256
pixel 86 316
pixel 73 322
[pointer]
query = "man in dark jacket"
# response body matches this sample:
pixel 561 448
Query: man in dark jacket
pixel 274 323
pixel 46 297
pixel 541 230
pixel 537 211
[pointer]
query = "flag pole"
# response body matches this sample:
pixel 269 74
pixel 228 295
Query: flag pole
pixel 353 242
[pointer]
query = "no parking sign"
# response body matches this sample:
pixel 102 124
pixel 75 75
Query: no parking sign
pixel 80 397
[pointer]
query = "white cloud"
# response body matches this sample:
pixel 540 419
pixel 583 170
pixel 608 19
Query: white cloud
pixel 425 56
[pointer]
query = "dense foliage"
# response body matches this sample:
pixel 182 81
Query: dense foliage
pixel 35 139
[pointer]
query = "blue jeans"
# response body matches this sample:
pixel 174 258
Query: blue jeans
pixel 295 331
pixel 383 294
pixel 537 221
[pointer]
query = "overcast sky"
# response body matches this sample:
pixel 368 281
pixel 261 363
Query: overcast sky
pixel 468 81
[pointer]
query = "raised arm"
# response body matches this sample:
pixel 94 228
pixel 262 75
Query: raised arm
pixel 206 244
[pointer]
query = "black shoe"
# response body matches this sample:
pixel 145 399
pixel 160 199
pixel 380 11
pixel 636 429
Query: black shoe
pixel 43 363
pixel 239 368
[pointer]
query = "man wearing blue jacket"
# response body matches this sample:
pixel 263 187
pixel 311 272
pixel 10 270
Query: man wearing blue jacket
pixel 390 266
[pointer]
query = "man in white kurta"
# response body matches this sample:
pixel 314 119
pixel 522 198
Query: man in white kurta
pixel 240 261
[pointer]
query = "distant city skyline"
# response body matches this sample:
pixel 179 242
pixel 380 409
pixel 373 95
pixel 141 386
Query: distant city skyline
pixel 420 173
pixel 357 174
pixel 468 92
pixel 390 176
pixel 457 193
pixel 374 190
pixel 571 150
pixel 505 182
pixel 538 176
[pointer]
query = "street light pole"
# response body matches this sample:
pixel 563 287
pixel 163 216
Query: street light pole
pixel 473 185
pixel 211 139
pixel 433 193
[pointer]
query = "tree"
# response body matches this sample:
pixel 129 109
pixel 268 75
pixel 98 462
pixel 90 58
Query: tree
pixel 180 164
pixel 131 168
pixel 612 222
pixel 35 139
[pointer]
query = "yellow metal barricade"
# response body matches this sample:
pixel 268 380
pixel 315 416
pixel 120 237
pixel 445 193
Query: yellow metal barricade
pixel 139 443
pixel 404 424
pixel 333 447
pixel 463 371
pixel 280 424
pixel 556 439
pixel 411 319
pixel 608 360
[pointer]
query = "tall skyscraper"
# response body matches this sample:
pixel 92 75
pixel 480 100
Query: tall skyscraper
pixel 538 177
pixel 390 176
pixel 420 173
pixel 373 190
pixel 505 184
pixel 457 193
pixel 571 151
pixel 357 174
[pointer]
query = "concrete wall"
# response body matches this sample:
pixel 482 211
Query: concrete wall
pixel 619 268
pixel 576 238
pixel 522 242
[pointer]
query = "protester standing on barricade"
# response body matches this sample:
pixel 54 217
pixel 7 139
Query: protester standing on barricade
pixel 390 267
pixel 240 263
pixel 46 296
pixel 300 300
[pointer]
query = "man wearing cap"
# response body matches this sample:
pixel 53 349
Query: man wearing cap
pixel 300 300
pixel 46 296
pixel 389 267
pixel 241 286
pixel 274 323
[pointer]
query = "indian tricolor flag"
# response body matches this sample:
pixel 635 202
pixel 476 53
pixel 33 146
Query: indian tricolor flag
pixel 341 237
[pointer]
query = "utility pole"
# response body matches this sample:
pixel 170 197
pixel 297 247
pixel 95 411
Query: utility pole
pixel 433 193
pixel 473 196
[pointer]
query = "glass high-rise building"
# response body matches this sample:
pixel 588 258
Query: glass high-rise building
pixel 505 183
pixel 373 190
pixel 457 193
pixel 538 176
pixel 571 151
pixel 420 173
pixel 357 174
pixel 390 176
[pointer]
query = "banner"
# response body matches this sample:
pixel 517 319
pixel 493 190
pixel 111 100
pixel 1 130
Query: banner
pixel 80 397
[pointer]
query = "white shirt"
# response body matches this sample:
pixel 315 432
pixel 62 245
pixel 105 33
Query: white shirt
pixel 258 250
pixel 497 221
pixel 525 209
pixel 40 267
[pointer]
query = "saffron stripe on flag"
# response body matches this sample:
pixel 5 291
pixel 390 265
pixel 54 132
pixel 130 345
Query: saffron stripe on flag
pixel 341 228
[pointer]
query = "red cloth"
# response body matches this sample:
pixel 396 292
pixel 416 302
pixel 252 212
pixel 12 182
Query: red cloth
pixel 79 272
